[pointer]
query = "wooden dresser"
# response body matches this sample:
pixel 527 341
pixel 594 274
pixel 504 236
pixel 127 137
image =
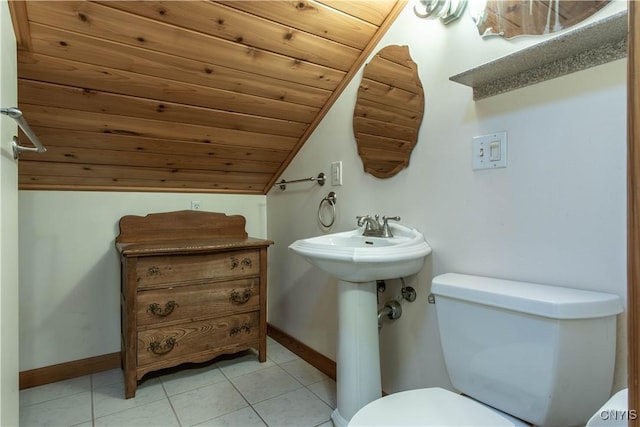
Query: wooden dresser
pixel 193 287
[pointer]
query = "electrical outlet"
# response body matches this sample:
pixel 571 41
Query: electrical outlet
pixel 195 205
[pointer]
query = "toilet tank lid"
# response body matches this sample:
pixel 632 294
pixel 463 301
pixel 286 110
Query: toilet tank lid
pixel 542 300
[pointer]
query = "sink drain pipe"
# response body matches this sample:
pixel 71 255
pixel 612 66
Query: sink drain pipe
pixel 391 310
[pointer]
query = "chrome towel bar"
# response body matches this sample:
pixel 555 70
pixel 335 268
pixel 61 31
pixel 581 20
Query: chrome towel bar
pixel 321 178
pixel 16 114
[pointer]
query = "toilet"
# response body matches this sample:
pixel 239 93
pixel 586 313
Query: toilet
pixel 519 353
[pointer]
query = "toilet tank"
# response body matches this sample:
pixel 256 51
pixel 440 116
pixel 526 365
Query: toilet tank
pixel 544 354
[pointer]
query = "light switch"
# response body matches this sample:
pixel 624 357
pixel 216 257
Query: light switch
pixel 489 151
pixel 494 151
pixel 336 173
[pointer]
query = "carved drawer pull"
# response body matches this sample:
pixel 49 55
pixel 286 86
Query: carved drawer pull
pixel 154 308
pixel 153 270
pixel 235 262
pixel 240 297
pixel 157 348
pixel 237 329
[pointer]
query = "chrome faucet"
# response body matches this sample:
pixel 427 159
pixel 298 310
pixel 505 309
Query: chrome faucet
pixel 372 226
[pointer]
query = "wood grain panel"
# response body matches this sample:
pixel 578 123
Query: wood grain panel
pixel 60 71
pixel 112 24
pixel 182 160
pixel 190 302
pixel 96 122
pixel 159 270
pixel 373 12
pixel 89 176
pixel 385 129
pixel 392 74
pixel 201 96
pixel 240 27
pixel 73 98
pixel 388 95
pixel 383 144
pixel 81 48
pixel 312 17
pixel 64 138
pixel 390 114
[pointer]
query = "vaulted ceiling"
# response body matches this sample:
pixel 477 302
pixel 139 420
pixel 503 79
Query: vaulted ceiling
pixel 189 96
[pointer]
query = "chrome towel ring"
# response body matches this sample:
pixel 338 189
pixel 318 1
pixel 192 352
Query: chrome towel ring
pixel 331 200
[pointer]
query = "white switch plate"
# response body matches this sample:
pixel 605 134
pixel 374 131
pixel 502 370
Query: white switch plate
pixel 489 151
pixel 336 173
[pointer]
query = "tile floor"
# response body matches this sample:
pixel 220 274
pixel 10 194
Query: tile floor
pixel 233 391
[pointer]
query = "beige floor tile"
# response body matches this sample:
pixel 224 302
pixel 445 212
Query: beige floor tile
pixel 265 384
pixel 205 403
pixel 245 417
pixel 298 408
pixel 303 372
pixel 110 399
pixel 156 414
pixel 64 411
pixel 56 390
pixel 190 379
pixel 325 390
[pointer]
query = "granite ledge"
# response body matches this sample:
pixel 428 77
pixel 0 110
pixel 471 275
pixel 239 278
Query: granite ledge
pixel 594 44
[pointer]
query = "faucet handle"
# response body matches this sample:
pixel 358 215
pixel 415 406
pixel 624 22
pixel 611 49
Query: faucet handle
pixel 361 219
pixel 385 225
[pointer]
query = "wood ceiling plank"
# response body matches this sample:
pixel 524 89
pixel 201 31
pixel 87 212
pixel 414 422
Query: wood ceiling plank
pixel 53 95
pixel 37 168
pixel 373 12
pixel 182 160
pixel 115 25
pixel 72 183
pixel 59 43
pixel 60 71
pixel 108 141
pixel 312 17
pixel 95 122
pixel 20 22
pixel 234 25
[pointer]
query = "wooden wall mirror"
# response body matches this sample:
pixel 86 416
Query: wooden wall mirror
pixel 511 18
pixel 388 112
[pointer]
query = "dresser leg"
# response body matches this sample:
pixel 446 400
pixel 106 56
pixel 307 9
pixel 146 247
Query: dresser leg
pixel 262 350
pixel 130 385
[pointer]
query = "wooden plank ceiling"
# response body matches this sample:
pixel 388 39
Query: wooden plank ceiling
pixel 189 96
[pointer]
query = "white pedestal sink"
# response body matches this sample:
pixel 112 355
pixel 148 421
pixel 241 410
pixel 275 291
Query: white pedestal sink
pixel 357 261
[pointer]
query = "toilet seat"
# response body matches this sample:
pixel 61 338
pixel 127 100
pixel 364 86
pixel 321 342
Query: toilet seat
pixel 430 407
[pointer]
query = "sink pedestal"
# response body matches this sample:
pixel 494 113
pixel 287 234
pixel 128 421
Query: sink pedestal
pixel 358 366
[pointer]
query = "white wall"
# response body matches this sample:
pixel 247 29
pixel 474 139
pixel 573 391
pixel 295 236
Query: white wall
pixel 8 227
pixel 70 270
pixel 555 215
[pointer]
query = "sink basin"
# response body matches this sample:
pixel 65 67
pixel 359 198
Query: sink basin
pixel 352 257
pixel 357 261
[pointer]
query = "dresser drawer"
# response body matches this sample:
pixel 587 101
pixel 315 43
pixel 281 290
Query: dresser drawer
pixel 190 338
pixel 165 269
pixel 155 306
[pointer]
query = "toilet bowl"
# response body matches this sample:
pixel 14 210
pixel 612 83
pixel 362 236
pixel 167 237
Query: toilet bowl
pixel 521 353
pixel 430 407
